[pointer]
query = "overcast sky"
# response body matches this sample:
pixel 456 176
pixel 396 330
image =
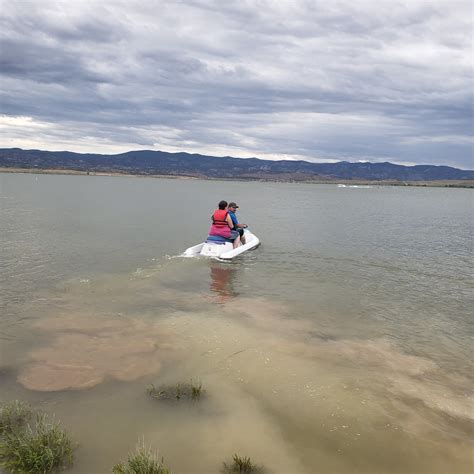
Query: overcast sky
pixel 354 80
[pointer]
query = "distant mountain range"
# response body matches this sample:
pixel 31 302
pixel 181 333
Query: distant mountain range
pixel 145 162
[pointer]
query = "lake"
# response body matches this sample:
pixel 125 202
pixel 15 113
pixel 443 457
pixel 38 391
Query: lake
pixel 342 344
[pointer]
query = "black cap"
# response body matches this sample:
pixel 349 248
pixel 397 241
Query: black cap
pixel 232 204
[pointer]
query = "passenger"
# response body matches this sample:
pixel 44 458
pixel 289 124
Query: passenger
pixel 232 208
pixel 222 225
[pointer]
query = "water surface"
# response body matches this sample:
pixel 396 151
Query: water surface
pixel 342 344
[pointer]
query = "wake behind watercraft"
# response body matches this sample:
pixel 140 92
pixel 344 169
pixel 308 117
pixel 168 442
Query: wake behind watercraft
pixel 221 248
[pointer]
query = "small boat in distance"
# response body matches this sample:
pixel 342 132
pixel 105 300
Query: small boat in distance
pixel 221 248
pixel 365 186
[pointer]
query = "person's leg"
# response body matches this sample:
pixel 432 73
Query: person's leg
pixel 242 237
pixel 236 237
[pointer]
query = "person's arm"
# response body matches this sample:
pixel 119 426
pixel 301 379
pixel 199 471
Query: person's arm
pixel 235 222
pixel 229 221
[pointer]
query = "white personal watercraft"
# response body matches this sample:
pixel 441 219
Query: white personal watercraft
pixel 222 248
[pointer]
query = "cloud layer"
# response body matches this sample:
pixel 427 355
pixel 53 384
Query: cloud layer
pixel 314 80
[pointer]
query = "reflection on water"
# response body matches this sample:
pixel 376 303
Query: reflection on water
pixel 222 276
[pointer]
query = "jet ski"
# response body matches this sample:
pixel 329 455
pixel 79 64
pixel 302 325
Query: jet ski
pixel 221 248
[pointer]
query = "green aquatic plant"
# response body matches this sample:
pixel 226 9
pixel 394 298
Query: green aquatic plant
pixel 14 416
pixel 196 390
pixel 44 448
pixel 187 391
pixel 142 461
pixel 242 465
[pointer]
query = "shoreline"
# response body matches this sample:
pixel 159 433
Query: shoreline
pixel 467 184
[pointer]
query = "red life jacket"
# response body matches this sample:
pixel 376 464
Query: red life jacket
pixel 219 218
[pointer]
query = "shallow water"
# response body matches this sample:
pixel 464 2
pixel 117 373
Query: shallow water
pixel 342 344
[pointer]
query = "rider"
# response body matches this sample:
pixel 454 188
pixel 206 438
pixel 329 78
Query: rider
pixel 222 225
pixel 232 208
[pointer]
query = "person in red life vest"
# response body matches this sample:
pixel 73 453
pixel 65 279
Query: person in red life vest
pixel 222 225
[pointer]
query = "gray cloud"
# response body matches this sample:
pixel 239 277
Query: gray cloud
pixel 306 79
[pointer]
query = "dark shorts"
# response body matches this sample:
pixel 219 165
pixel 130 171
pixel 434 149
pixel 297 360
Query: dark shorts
pixel 235 234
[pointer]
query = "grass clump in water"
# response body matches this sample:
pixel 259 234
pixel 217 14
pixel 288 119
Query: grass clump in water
pixel 142 461
pixel 14 416
pixel 242 465
pixel 44 448
pixel 187 391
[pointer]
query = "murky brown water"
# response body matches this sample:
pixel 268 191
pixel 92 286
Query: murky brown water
pixel 312 362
